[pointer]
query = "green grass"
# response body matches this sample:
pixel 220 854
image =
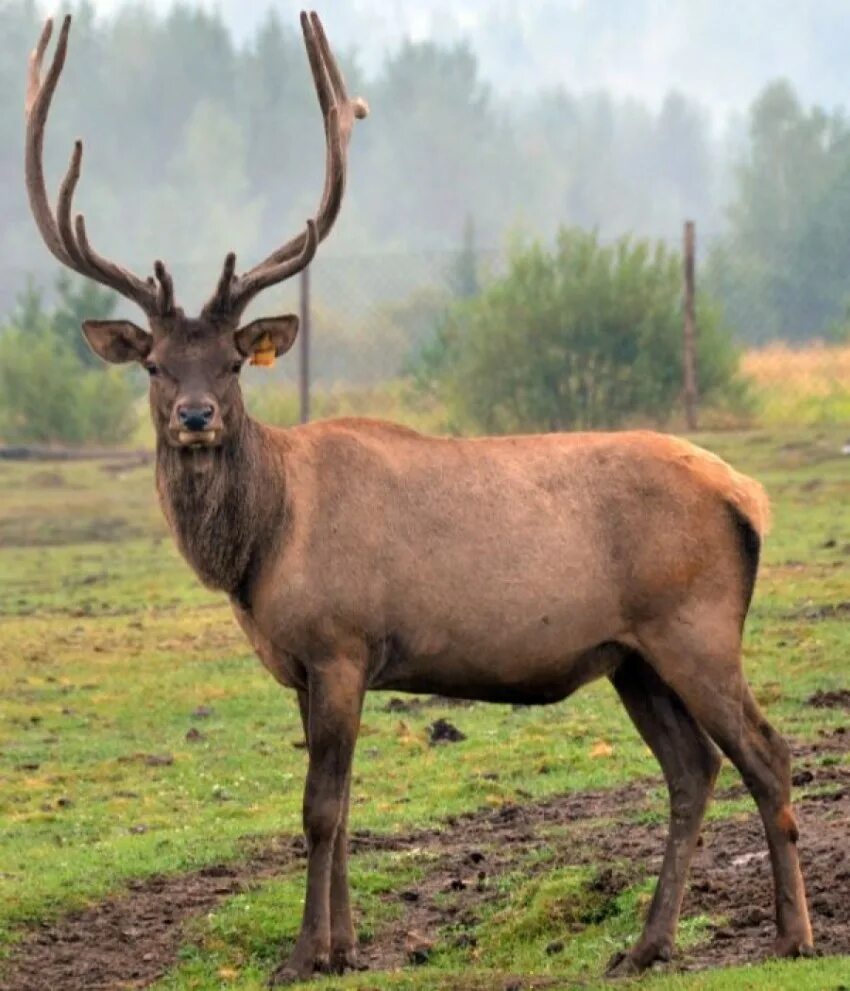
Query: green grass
pixel 108 645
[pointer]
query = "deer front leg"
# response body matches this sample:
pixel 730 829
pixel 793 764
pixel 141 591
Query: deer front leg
pixel 333 705
pixel 343 935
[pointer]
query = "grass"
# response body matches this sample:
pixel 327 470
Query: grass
pixel 110 653
pixel 808 385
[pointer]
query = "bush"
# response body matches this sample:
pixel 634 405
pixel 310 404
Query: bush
pixel 53 388
pixel 48 396
pixel 585 336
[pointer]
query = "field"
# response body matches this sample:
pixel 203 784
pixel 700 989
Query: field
pixel 809 385
pixel 150 775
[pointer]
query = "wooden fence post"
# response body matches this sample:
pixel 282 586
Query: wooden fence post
pixel 304 348
pixel 689 349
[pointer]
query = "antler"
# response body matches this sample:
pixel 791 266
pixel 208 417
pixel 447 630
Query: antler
pixel 233 293
pixel 66 240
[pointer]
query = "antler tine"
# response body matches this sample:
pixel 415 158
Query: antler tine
pixel 115 276
pixel 38 98
pixel 93 264
pixel 338 115
pixel 67 242
pixel 358 107
pixel 220 301
pixel 317 68
pixel 165 293
pixel 35 62
pixel 64 204
pixel 256 281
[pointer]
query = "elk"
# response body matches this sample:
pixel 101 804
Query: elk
pixel 358 554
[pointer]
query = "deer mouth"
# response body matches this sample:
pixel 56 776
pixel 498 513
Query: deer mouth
pixel 198 438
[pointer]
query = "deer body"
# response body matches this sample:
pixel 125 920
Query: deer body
pixel 361 555
pixel 494 568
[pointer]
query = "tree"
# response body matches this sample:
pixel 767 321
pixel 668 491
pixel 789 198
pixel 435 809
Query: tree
pixel 463 276
pixel 783 270
pixel 78 300
pixel 437 112
pixel 211 197
pixel 49 393
pixel 584 336
pixel 29 306
pixel 197 143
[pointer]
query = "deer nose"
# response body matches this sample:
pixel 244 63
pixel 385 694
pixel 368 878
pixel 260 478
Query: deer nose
pixel 195 417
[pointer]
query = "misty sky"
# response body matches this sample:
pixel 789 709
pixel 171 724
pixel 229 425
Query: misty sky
pixel 720 51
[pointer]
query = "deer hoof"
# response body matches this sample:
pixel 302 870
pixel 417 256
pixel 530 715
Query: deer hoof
pixel 344 958
pixel 628 963
pixel 300 966
pixel 621 965
pixel 789 946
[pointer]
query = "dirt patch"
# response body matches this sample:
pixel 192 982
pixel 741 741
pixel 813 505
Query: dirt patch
pixel 442 731
pixel 30 531
pixel 131 940
pixel 730 879
pixel 469 853
pixel 829 610
pixel 47 480
pixel 409 705
pixel 838 698
pixel 39 453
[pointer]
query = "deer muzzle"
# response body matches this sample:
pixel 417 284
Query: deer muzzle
pixel 196 423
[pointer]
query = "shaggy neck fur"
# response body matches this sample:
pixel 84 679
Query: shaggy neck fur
pixel 225 506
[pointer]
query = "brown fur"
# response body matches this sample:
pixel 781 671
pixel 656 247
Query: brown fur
pixel 787 823
pixel 744 494
pixel 227 513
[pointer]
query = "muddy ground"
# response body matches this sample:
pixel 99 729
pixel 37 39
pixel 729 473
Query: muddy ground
pixel 131 940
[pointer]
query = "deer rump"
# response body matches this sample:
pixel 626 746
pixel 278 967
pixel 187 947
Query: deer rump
pixel 502 569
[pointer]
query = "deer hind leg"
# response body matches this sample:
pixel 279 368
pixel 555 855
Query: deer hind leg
pixel 705 671
pixel 690 763
pixel 333 705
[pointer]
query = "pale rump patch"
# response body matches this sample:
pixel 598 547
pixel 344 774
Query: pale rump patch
pixel 745 494
pixel 787 823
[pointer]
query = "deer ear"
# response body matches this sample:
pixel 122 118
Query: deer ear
pixel 117 341
pixel 267 338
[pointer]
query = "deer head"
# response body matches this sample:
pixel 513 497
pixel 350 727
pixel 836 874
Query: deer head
pixel 193 363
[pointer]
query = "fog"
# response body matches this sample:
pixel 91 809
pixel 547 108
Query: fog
pixel 719 52
pixel 202 132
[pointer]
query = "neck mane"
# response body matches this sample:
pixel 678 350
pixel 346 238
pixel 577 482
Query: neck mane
pixel 225 506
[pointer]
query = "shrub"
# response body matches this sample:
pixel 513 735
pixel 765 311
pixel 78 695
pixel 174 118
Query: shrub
pixel 48 396
pixel 585 336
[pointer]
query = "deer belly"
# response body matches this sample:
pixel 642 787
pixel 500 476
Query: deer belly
pixel 519 677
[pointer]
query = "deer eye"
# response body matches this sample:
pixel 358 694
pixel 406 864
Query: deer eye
pixel 236 367
pixel 152 369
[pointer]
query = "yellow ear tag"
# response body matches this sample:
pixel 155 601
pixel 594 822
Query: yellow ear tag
pixel 263 353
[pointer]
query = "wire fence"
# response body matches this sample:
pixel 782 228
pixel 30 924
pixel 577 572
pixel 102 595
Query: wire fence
pixel 371 311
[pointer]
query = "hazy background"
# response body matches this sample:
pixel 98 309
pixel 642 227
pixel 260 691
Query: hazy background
pixel 719 52
pixel 499 120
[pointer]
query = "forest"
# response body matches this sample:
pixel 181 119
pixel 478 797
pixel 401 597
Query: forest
pixel 196 144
